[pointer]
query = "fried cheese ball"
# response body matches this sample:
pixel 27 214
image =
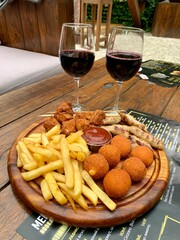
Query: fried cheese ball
pixel 117 183
pixel 144 153
pixel 123 144
pixel 135 167
pixel 111 154
pixel 96 165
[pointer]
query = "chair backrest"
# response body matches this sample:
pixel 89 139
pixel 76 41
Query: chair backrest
pixel 35 26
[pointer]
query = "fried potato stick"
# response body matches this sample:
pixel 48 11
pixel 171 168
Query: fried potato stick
pixel 27 176
pixel 53 131
pixel 101 195
pixel 24 149
pixel 57 194
pixel 34 135
pixel 19 162
pixel 89 194
pixel 82 142
pixel 80 156
pixel 68 168
pixel 44 140
pixel 54 151
pixel 43 151
pixel 45 190
pixel 56 139
pixel 74 136
pixel 30 166
pixel 70 199
pixel 59 177
pixel 77 178
pixel 78 147
pixel 39 159
pixel 80 199
pixel 24 158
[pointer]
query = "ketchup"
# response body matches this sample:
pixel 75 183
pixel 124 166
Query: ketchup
pixel 96 136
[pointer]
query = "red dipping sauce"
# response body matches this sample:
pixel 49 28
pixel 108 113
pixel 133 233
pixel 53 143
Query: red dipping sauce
pixel 96 137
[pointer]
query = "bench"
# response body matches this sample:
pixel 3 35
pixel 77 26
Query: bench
pixel 29 35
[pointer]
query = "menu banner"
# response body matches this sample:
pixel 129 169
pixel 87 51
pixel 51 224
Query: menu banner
pixel 160 223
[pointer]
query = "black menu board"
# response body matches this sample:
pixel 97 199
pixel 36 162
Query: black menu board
pixel 160 223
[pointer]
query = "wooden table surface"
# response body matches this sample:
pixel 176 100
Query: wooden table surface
pixel 22 107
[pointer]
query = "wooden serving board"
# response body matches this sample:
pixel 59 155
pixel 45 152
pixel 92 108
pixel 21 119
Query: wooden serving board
pixel 140 199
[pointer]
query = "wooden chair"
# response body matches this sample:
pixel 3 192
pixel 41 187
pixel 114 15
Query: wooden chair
pixel 135 9
pixel 97 5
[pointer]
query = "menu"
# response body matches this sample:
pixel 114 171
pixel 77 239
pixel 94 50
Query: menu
pixel 160 223
pixel 166 74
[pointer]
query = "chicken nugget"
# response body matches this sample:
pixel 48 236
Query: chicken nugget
pixel 65 107
pixel 117 183
pixel 96 165
pixel 50 123
pixel 144 153
pixel 111 154
pixel 135 167
pixel 123 144
pixel 61 117
pixel 68 127
pixel 81 123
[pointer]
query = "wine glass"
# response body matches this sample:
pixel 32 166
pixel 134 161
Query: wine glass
pixel 76 53
pixel 124 56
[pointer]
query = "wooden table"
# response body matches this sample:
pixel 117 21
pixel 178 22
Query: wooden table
pixel 22 107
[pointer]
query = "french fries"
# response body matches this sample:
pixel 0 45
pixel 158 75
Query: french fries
pixel 89 194
pixel 77 178
pixel 45 190
pixel 56 192
pixel 58 161
pixel 30 175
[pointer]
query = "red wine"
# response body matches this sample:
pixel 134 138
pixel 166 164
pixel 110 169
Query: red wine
pixel 76 62
pixel 123 65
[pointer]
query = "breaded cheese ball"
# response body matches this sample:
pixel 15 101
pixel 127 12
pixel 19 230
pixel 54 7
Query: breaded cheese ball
pixel 135 167
pixel 144 153
pixel 123 144
pixel 117 183
pixel 111 154
pixel 96 165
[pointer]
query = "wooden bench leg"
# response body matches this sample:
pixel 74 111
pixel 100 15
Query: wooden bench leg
pixel 83 19
pixel 98 27
pixel 108 23
pixel 135 12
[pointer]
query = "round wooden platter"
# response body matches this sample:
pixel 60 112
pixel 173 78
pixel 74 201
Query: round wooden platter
pixel 140 199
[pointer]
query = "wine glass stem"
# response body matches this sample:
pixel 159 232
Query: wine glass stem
pixel 77 79
pixel 116 104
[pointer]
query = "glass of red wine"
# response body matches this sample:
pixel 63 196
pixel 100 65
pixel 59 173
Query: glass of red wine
pixel 76 53
pixel 124 56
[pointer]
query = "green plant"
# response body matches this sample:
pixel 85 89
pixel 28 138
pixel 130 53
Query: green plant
pixel 122 15
pixel 148 14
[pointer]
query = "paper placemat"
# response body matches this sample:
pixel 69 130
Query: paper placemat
pixel 161 223
pixel 162 73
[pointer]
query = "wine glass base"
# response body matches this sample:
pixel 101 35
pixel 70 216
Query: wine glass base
pixel 80 107
pixel 114 109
